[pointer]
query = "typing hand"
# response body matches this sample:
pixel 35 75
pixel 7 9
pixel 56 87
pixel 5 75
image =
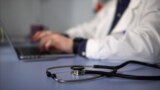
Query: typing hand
pixel 50 40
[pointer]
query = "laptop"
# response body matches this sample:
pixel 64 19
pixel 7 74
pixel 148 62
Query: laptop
pixel 26 50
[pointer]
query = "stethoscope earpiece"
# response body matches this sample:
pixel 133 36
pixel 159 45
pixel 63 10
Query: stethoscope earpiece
pixel 48 74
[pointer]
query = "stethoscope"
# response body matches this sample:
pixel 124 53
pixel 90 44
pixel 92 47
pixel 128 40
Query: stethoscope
pixel 97 71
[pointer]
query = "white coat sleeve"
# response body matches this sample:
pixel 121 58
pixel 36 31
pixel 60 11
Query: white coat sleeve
pixel 141 43
pixel 86 30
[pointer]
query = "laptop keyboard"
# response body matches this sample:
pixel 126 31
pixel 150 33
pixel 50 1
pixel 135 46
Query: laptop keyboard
pixel 29 51
pixel 33 51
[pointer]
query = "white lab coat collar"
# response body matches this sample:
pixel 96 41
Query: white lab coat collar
pixel 128 16
pixel 133 3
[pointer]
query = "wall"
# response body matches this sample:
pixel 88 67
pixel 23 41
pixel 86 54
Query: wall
pixel 59 15
pixel 83 11
pixel 17 15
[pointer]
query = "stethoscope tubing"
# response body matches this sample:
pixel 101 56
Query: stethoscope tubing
pixel 113 73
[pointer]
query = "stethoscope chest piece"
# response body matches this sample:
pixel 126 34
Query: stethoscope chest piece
pixel 77 70
pixel 72 73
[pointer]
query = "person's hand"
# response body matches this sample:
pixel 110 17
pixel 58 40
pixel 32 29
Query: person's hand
pixel 50 40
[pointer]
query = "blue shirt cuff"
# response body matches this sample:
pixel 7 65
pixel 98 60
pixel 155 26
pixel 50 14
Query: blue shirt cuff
pixel 79 46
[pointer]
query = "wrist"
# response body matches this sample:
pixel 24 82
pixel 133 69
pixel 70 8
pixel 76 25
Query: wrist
pixel 70 46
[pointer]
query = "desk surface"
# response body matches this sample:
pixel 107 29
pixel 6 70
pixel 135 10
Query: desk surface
pixel 22 75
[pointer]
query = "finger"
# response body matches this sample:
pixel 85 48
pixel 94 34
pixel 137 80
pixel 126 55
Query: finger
pixel 41 35
pixel 34 37
pixel 48 45
pixel 47 40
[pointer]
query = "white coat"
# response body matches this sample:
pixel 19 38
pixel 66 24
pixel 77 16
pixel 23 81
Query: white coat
pixel 135 37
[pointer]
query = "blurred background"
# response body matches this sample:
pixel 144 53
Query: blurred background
pixel 17 16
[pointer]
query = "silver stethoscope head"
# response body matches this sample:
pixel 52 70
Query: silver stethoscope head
pixel 77 70
pixel 74 72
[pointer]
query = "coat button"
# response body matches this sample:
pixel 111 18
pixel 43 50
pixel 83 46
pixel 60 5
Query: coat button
pixel 83 53
pixel 119 15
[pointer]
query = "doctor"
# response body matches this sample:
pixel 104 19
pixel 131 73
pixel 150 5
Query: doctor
pixel 122 30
